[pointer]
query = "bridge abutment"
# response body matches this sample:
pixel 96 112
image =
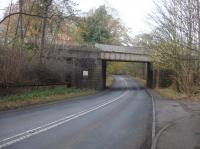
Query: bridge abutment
pixel 86 68
pixel 104 67
pixel 87 65
pixel 150 76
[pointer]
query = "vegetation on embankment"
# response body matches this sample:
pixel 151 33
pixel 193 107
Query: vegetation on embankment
pixel 40 96
pixel 170 93
pixel 109 80
pixel 32 52
pixel 175 43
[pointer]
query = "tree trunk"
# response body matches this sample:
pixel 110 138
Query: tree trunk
pixel 47 3
pixel 7 28
pixel 198 19
pixel 21 20
pixel 189 21
pixel 28 21
pixel 157 78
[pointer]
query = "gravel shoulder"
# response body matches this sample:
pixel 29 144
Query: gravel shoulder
pixel 177 123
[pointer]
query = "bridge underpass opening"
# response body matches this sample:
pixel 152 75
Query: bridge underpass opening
pixel 140 71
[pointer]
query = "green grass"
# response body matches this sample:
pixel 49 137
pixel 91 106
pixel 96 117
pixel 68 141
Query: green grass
pixel 170 93
pixel 109 81
pixel 42 93
pixel 39 96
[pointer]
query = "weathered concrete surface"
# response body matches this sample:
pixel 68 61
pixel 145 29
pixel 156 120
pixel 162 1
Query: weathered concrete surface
pixel 181 121
pixel 123 53
pixel 93 60
pixel 86 60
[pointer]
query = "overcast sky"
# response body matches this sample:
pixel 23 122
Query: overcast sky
pixel 134 13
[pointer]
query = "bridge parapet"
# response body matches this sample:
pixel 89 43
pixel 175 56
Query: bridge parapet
pixel 122 49
pixel 123 53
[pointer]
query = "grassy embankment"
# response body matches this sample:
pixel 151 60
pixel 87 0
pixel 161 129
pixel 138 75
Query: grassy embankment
pixel 109 81
pixel 169 93
pixel 40 96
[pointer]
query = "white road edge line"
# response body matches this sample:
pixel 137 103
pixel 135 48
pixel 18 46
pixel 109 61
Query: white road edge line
pixel 153 121
pixel 56 123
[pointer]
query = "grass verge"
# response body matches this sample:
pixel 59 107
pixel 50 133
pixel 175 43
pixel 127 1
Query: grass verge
pixel 109 81
pixel 41 96
pixel 172 94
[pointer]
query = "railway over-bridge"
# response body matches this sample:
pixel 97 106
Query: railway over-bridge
pixel 88 65
pixel 128 54
pixel 123 53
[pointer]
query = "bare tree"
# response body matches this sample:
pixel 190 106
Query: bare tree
pixel 7 27
pixel 176 42
pixel 47 4
pixel 27 28
pixel 21 19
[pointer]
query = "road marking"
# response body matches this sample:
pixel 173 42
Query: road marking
pixel 24 135
pixel 153 129
pixel 154 117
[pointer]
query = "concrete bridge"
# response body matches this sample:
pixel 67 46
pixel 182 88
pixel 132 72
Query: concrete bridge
pixel 88 65
pixel 123 53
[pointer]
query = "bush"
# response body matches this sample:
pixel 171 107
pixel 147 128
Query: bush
pixel 20 67
pixel 12 63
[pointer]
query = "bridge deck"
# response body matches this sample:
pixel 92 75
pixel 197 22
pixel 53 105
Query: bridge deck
pixel 123 53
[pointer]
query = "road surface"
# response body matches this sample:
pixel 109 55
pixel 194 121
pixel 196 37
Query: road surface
pixel 118 118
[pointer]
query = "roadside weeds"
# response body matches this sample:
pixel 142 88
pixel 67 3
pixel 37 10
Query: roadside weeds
pixel 171 94
pixel 41 96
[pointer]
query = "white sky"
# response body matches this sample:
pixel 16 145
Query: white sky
pixel 134 13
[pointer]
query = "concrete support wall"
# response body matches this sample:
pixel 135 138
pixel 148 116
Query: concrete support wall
pixel 94 69
pixel 93 60
pixel 104 67
pixel 86 61
pixel 150 80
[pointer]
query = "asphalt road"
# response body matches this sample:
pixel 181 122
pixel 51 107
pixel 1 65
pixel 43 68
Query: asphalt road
pixel 118 118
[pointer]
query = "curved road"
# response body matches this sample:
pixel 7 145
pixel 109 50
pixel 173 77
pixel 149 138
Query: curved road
pixel 119 118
